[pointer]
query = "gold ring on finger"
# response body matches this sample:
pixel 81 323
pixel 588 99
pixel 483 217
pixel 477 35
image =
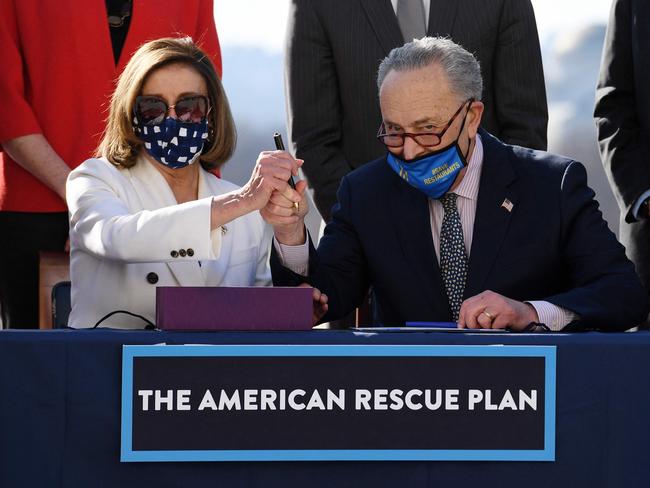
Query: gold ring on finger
pixel 488 315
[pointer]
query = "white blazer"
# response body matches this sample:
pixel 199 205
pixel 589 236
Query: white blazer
pixel 128 236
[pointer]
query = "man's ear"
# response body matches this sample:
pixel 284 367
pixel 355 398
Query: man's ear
pixel 474 116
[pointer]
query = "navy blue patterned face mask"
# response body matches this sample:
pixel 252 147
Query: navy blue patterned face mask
pixel 173 143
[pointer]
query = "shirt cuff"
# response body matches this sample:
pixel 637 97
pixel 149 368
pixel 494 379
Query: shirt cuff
pixel 554 317
pixel 296 258
pixel 638 203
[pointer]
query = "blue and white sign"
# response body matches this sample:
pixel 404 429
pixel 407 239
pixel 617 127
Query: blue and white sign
pixel 338 402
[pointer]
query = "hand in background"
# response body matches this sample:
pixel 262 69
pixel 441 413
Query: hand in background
pixel 34 153
pixel 320 303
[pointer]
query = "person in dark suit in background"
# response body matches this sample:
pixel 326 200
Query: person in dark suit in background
pixel 454 225
pixel 334 49
pixel 623 121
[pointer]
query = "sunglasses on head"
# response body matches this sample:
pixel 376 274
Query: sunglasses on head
pixel 151 110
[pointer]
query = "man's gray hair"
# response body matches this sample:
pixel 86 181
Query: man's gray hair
pixel 462 68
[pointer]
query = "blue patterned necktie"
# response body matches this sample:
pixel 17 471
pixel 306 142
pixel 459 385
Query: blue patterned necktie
pixel 453 256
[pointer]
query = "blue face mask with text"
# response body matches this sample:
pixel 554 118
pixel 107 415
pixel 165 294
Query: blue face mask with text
pixel 434 173
pixel 172 143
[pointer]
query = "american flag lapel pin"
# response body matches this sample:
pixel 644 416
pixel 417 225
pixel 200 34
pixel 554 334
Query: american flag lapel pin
pixel 508 205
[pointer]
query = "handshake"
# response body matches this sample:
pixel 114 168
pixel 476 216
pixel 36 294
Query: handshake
pixel 283 205
pixel 270 192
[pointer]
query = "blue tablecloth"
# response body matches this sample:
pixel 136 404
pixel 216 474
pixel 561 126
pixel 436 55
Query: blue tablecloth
pixel 60 416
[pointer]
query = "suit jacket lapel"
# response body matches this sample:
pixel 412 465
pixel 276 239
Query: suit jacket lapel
pixel 492 217
pixel 381 15
pixel 442 14
pixel 154 193
pixel 412 223
pixel 384 22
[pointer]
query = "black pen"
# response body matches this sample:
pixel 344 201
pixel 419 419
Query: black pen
pixel 279 145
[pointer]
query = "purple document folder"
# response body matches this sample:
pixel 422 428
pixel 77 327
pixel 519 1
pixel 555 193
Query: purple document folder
pixel 233 308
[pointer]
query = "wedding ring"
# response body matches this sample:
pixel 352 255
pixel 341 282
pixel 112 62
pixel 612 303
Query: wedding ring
pixel 488 315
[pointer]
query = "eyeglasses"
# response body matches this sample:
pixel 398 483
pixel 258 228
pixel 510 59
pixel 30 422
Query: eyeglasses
pixel 153 110
pixel 426 139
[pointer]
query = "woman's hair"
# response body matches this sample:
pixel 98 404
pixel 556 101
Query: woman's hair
pixel 121 146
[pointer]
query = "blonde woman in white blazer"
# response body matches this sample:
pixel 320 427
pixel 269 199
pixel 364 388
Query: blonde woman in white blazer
pixel 148 212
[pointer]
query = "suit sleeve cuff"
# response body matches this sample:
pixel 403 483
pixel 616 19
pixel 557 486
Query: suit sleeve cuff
pixel 554 317
pixel 637 205
pixel 295 258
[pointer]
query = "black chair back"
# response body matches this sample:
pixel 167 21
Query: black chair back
pixel 60 305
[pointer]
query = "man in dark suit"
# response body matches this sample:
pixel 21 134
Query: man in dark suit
pixel 455 225
pixel 333 51
pixel 623 121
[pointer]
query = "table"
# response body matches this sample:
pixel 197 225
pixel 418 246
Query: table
pixel 60 416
